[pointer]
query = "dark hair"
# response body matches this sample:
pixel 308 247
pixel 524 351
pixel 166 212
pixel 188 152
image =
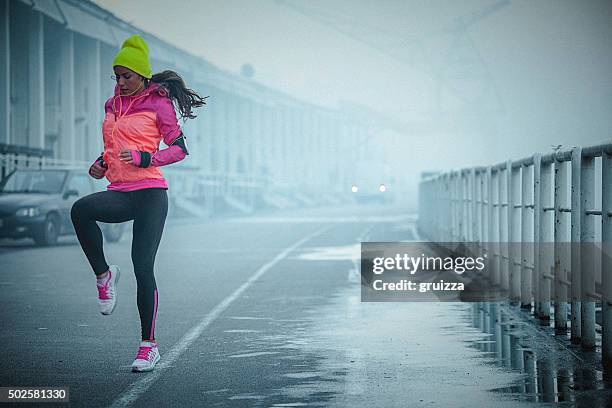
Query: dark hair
pixel 183 98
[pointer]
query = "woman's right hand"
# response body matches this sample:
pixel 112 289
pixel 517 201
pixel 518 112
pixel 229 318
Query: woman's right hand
pixel 96 170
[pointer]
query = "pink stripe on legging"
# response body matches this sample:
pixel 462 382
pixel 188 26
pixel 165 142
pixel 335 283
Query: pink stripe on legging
pixel 152 335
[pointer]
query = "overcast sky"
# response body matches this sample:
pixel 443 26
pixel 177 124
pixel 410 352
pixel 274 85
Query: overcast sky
pixel 533 73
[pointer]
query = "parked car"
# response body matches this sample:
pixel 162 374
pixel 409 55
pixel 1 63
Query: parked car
pixel 37 203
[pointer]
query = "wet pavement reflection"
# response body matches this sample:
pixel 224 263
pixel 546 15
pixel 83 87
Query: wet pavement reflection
pixel 554 370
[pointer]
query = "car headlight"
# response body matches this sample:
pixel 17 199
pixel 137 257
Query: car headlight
pixel 28 212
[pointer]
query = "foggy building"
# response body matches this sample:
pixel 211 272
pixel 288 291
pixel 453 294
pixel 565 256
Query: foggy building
pixel 251 145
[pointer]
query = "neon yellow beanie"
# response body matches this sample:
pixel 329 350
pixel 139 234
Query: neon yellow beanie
pixel 134 54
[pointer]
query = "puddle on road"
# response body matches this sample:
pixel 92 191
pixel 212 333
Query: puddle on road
pixel 304 374
pixel 254 354
pixel 393 354
pixel 338 253
pixel 247 397
pixel 553 371
pixel 241 331
pixel 434 353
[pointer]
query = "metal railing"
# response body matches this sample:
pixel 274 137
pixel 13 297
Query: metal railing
pixel 515 209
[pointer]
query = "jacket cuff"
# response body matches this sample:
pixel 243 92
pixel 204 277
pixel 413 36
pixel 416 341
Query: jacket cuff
pixel 101 161
pixel 135 157
pixel 145 159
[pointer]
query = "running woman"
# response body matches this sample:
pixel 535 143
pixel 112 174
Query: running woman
pixel 138 117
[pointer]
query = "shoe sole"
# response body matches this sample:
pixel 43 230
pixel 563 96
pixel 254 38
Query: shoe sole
pixel 117 276
pixel 144 370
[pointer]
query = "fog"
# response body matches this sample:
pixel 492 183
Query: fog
pixel 503 79
pixel 315 107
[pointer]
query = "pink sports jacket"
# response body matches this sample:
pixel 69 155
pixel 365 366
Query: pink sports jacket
pixel 138 123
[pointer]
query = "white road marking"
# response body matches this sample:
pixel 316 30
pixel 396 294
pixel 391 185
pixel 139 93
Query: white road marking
pixel 134 391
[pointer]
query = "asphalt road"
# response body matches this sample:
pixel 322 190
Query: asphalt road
pixel 258 311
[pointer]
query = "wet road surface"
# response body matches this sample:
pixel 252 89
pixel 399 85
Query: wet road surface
pixel 266 311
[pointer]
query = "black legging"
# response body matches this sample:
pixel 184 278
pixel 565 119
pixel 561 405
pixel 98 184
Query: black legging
pixel 148 208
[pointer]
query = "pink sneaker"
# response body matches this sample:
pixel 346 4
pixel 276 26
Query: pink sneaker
pixel 147 357
pixel 107 290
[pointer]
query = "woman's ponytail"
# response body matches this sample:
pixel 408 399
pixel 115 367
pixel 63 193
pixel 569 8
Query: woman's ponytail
pixel 184 99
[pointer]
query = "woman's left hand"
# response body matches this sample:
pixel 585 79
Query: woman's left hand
pixel 126 156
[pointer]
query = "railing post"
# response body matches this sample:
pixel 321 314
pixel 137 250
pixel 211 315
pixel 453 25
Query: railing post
pixel 457 190
pixel 583 245
pixel 537 215
pixel 545 241
pixel 469 193
pixel 466 205
pixel 491 236
pixel 464 208
pixel 422 218
pixel 444 207
pixel 474 206
pixel 435 194
pixel 429 227
pixel 526 236
pixel 503 230
pixel 484 211
pixel 576 297
pixel 458 206
pixel 435 207
pixel 560 238
pixel 445 187
pixel 455 209
pixel 464 213
pixel 514 233
pixel 606 262
pixel 453 218
pixel 451 207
